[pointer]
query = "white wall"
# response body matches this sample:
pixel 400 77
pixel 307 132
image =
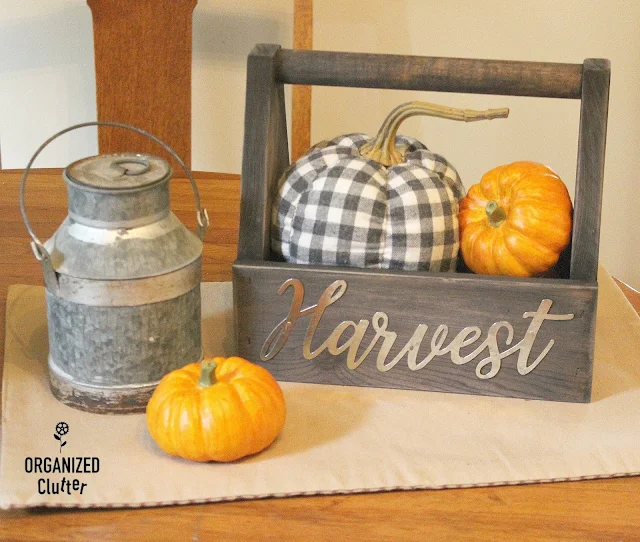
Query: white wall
pixel 47 80
pixel 46 83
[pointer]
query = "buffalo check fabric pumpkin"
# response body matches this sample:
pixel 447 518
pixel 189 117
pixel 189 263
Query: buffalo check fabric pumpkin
pixel 336 207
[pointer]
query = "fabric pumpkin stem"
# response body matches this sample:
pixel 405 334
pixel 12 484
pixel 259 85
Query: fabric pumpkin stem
pixel 383 148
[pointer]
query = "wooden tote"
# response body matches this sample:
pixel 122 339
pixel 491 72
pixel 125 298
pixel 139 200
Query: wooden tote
pixel 316 324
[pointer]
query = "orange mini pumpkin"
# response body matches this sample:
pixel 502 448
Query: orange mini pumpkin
pixel 219 410
pixel 516 221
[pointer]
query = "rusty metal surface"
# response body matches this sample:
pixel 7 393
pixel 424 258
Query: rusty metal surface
pixel 100 400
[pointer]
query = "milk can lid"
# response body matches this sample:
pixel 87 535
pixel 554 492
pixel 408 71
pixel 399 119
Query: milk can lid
pixel 121 171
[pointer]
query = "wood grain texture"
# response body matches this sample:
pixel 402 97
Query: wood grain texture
pixel 143 73
pixel 590 175
pixel 572 511
pixel 265 154
pixel 568 511
pixel 514 78
pixel 301 94
pixel 456 300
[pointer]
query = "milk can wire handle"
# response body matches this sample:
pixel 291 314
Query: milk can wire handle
pixel 39 250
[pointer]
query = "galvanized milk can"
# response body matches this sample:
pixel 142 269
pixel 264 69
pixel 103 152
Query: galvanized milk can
pixel 122 277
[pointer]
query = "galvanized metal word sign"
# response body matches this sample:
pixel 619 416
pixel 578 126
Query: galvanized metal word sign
pixel 447 332
pixel 487 367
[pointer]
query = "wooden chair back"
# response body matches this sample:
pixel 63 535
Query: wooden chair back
pixel 143 72
pixel 143 58
pixel 301 94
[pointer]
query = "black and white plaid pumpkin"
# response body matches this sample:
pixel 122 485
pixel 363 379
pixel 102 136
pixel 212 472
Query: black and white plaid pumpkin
pixel 342 205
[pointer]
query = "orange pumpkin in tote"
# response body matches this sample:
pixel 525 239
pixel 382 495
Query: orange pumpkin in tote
pixel 516 221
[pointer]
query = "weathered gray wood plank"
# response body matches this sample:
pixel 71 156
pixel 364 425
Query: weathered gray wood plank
pixel 590 171
pixel 265 152
pixel 412 299
pixel 515 78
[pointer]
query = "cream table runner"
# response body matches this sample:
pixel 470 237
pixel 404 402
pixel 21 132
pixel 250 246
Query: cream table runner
pixel 336 439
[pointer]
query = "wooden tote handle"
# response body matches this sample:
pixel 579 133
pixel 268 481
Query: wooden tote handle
pixel 514 78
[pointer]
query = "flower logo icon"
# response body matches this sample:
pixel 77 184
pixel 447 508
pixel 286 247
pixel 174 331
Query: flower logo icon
pixel 62 428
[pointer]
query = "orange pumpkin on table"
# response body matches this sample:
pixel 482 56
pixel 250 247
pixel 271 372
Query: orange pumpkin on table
pixel 516 221
pixel 221 409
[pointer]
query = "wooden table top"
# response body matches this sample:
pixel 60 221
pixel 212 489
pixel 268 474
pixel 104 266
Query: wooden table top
pixel 586 510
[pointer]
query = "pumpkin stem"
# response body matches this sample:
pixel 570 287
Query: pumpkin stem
pixel 383 147
pixel 496 214
pixel 207 373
